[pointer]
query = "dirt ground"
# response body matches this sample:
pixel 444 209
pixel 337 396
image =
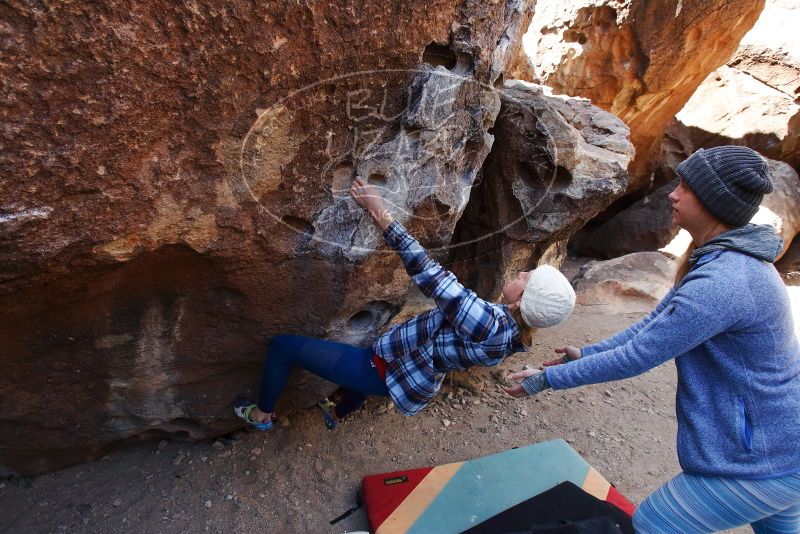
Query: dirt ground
pixel 299 477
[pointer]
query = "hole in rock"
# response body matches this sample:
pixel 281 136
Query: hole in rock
pixel 498 83
pixel 373 316
pixel 560 180
pixel 575 36
pixel 464 65
pixel 361 320
pixel 377 179
pixel 436 55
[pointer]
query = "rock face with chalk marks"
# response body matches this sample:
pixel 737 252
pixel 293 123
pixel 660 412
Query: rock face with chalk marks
pixel 175 193
pixel 557 162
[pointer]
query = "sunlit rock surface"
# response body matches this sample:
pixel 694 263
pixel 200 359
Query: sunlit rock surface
pixel 733 107
pixel 632 283
pixel 641 60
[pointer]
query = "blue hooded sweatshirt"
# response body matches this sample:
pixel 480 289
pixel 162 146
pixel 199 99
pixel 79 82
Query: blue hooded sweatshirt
pixel 728 325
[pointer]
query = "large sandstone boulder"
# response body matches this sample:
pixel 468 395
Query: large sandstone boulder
pixel 557 161
pixel 175 193
pixel 675 147
pixel 633 283
pixel 769 51
pixel 789 264
pixel 640 59
pixel 753 100
pixel 733 107
pixel 780 208
pixel 647 224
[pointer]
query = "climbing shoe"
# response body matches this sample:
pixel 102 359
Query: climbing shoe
pixel 243 409
pixel 328 408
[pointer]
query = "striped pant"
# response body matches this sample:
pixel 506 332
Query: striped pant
pixel 690 503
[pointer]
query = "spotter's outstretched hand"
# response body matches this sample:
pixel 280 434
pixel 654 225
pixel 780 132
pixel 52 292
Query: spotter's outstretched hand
pixel 516 391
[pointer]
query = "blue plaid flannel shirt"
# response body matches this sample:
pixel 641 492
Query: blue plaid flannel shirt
pixel 461 331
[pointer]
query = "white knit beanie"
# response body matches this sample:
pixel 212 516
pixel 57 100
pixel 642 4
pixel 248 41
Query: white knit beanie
pixel 548 298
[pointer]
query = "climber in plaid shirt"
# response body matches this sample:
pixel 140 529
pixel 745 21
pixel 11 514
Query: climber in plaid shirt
pixel 408 363
pixel 461 331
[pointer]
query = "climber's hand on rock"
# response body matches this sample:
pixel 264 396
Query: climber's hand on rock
pixel 368 197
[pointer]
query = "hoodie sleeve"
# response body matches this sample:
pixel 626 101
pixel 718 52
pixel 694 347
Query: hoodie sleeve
pixel 629 333
pixel 703 306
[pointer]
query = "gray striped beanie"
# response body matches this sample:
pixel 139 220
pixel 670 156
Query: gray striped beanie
pixel 730 181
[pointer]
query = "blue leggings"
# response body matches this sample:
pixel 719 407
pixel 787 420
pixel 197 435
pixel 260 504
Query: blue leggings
pixel 341 364
pixel 690 503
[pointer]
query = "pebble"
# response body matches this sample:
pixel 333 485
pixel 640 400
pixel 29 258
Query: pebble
pixel 607 393
pixel 283 421
pixel 592 434
pixel 476 402
pixel 446 422
pixel 208 504
pixel 218 445
pixel 256 451
pixel 523 412
pixel 117 502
